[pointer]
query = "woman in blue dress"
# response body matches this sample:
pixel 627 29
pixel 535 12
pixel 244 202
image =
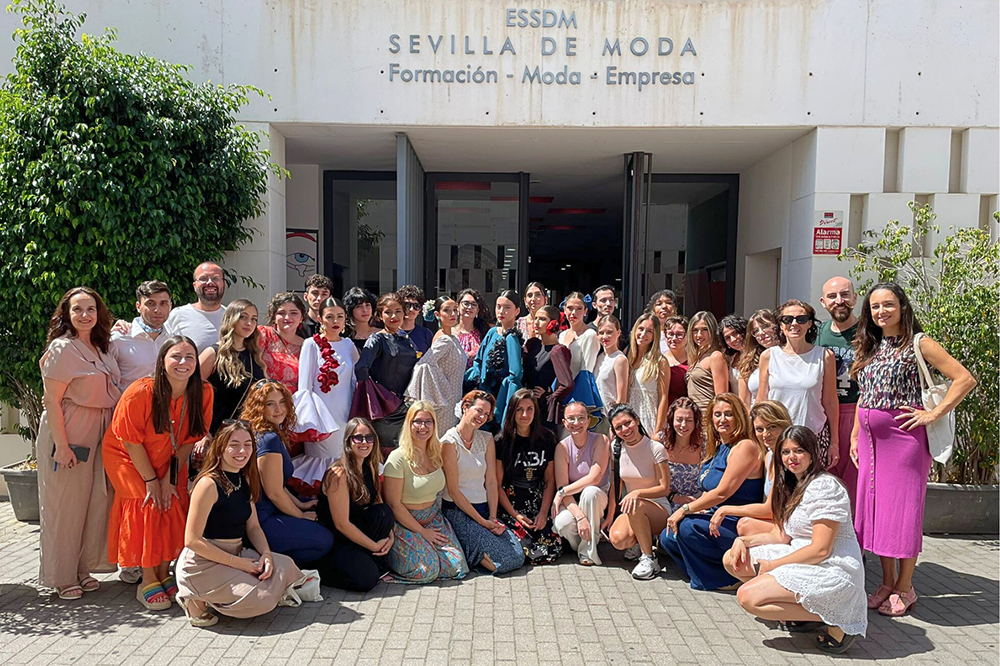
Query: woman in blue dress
pixel 584 347
pixel 732 472
pixel 497 368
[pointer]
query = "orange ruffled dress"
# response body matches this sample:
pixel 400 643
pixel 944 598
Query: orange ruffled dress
pixel 143 535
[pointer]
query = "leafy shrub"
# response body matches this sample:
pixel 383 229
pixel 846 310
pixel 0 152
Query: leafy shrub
pixel 954 294
pixel 114 168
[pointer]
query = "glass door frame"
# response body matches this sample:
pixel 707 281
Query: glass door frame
pixel 431 227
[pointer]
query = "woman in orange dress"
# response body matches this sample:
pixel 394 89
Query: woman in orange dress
pixel 155 425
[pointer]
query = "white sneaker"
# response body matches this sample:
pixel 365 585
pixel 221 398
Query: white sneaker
pixel 130 575
pixel 632 553
pixel 647 568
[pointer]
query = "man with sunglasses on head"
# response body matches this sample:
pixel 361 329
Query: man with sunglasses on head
pixel 839 298
pixel 413 301
pixel 202 319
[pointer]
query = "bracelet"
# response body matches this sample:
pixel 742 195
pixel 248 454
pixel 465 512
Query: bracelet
pixel 149 480
pixel 230 561
pixel 672 495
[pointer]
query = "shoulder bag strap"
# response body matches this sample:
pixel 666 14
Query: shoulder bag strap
pixel 926 379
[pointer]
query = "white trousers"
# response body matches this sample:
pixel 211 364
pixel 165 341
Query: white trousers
pixel 593 501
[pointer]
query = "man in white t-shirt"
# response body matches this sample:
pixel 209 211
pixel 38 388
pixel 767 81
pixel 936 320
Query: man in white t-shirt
pixel 136 350
pixel 202 319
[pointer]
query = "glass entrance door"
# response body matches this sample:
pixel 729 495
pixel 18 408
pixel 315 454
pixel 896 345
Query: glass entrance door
pixel 638 182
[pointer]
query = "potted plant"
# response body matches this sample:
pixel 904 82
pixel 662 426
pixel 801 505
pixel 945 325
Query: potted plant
pixel 953 289
pixel 114 169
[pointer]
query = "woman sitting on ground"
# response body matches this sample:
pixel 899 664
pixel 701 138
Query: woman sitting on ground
pixel 525 454
pixel 581 506
pixel 351 507
pixel 731 473
pixel 215 569
pixel 425 546
pixel 471 494
pixel 645 472
pixel 289 522
pixel 682 438
pixel 769 419
pixel 808 568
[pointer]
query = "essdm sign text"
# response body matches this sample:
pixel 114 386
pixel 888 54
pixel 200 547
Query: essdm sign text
pixel 504 56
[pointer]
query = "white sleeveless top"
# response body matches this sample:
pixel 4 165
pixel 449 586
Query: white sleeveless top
pixel 607 382
pixel 583 351
pixel 471 465
pixel 796 381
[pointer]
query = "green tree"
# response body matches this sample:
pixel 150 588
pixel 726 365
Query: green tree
pixel 114 168
pixel 953 289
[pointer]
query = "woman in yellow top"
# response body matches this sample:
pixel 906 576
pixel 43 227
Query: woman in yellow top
pixel 426 547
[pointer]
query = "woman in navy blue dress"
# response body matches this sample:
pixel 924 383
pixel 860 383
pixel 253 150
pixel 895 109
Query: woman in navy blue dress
pixel 732 472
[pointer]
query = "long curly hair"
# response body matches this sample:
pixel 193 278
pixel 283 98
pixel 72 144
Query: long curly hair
pixel 434 445
pixel 60 323
pixel 211 467
pixel 282 298
pixel 483 320
pixel 227 359
pixel 749 359
pixel 353 468
pixel 253 410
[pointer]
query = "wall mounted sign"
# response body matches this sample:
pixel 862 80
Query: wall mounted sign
pixel 828 232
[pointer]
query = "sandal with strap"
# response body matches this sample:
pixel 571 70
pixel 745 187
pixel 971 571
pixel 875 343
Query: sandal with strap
pixel 797 626
pixel 898 603
pixel 169 585
pixel 70 592
pixel 153 597
pixel 829 644
pixel 206 619
pixel 89 584
pixel 877 599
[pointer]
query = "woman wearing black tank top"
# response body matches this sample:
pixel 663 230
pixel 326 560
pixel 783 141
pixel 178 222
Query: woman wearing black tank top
pixel 350 505
pixel 214 569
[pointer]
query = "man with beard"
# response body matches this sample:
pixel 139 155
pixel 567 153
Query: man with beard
pixel 202 319
pixel 837 334
pixel 136 348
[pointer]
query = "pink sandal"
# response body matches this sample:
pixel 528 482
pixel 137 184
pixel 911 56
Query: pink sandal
pixel 898 603
pixel 881 594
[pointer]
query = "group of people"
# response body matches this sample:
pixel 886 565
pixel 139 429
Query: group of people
pixel 348 438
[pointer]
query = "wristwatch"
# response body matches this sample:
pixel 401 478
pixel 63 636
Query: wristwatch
pixel 686 508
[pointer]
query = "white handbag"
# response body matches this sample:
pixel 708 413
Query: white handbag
pixel 940 433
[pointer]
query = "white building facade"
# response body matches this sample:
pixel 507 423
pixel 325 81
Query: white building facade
pixel 724 148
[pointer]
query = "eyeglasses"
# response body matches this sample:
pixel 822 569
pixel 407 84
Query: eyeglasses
pixel 241 422
pixel 576 419
pixel 786 320
pixel 207 280
pixel 672 335
pixel 411 305
pixel 361 439
pixel 423 423
pixel 763 330
pixel 468 305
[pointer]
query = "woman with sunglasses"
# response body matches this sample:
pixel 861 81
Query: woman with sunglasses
pixel 425 547
pixel 286 513
pixel 146 451
pixel 351 507
pixel 324 395
pixel 763 334
pixel 803 377
pixel 534 298
pixel 473 322
pixel 708 373
pixel 471 492
pixel 437 377
pixel 548 366
pixel 582 507
pixel 215 570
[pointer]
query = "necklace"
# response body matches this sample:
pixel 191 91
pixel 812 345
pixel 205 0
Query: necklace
pixel 233 487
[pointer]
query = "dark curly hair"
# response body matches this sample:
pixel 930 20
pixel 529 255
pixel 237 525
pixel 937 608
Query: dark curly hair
pixel 60 324
pixel 279 300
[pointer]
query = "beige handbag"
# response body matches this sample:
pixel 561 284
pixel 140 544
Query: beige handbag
pixel 940 433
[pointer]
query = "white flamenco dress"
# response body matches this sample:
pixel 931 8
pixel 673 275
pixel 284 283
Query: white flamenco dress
pixel 584 350
pixel 834 589
pixel 321 411
pixel 437 378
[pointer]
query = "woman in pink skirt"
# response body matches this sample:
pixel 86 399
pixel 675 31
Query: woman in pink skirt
pixel 889 440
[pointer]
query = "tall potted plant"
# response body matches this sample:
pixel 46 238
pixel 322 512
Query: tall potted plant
pixel 953 289
pixel 114 169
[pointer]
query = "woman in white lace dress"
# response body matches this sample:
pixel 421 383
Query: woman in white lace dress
pixel 437 377
pixel 650 374
pixel 808 569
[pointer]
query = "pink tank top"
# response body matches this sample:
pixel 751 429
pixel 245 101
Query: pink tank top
pixel 580 460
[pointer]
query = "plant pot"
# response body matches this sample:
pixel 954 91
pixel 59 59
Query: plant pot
pixel 954 508
pixel 22 484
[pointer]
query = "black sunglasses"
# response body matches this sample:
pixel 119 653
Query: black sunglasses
pixel 264 382
pixel 787 320
pixel 360 439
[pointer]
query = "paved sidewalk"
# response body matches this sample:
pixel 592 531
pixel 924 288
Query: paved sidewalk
pixel 561 614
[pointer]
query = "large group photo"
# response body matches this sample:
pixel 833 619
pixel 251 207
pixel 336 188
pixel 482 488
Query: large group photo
pixel 613 332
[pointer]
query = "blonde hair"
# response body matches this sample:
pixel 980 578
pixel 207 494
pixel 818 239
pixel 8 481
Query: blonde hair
pixel 694 353
pixel 771 412
pixel 742 424
pixel 406 438
pixel 227 359
pixel 650 365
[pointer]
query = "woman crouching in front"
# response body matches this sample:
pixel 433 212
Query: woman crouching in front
pixel 808 568
pixel 214 569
